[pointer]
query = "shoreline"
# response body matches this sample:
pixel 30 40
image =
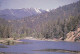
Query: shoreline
pixel 40 39
pixel 4 40
pixel 43 39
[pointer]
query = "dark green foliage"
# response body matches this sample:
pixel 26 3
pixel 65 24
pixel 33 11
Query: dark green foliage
pixel 4 28
pixel 58 28
pixel 13 29
pixel 73 23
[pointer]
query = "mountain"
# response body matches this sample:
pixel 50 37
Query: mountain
pixel 62 13
pixel 20 13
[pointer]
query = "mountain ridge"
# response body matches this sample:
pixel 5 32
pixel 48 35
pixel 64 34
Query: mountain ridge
pixel 20 13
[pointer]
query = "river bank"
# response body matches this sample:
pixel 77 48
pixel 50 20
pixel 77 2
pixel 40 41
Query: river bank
pixel 11 40
pixel 4 40
pixel 72 36
pixel 34 47
pixel 42 39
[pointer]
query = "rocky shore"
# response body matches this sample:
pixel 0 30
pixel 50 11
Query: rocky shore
pixel 73 36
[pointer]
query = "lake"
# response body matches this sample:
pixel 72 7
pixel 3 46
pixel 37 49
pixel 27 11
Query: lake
pixel 40 47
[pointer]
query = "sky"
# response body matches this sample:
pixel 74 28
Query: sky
pixel 43 4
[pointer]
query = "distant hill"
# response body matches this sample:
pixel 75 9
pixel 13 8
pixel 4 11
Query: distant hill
pixel 20 13
pixel 62 13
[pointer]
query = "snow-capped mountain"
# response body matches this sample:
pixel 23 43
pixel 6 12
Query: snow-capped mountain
pixel 20 13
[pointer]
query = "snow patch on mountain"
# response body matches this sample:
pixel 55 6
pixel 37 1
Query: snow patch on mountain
pixel 37 10
pixel 47 10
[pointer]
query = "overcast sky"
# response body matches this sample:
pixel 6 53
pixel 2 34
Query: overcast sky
pixel 43 4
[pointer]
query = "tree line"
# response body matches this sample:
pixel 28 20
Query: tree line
pixel 50 29
pixel 12 30
pixel 58 28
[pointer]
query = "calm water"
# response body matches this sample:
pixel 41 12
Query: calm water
pixel 40 47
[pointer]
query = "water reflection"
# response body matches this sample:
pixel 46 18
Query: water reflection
pixel 11 53
pixel 3 46
pixel 15 43
pixel 58 50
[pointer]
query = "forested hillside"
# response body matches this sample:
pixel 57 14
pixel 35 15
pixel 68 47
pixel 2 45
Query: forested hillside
pixel 61 13
pixel 57 23
pixel 5 28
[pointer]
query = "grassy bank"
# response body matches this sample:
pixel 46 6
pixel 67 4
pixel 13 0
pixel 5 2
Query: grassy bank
pixel 9 41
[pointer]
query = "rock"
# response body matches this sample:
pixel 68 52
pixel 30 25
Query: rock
pixel 73 35
pixel 78 29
